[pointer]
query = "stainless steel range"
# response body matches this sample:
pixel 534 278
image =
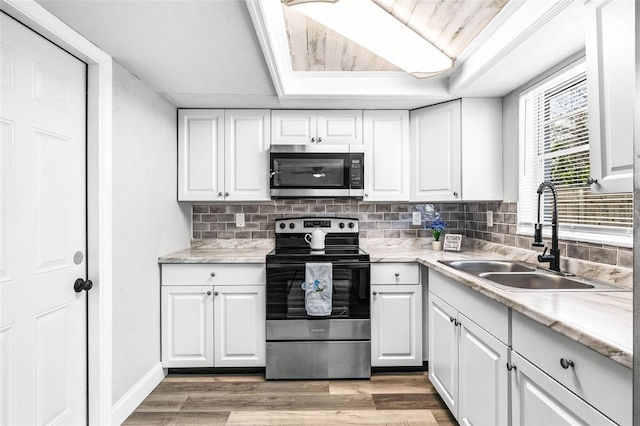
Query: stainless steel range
pixel 302 341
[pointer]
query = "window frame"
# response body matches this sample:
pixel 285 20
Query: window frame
pixel 598 234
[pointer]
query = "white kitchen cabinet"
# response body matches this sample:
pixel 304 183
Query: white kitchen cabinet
pixel 213 315
pixel 456 151
pixel 610 46
pixel 386 147
pixel 223 155
pixel 396 315
pixel 468 352
pixel 239 318
pixel 187 326
pixel 599 381
pixel 537 399
pixel 320 127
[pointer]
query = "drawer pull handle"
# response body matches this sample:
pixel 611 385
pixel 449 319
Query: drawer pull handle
pixel 213 274
pixel 566 363
pixel 511 366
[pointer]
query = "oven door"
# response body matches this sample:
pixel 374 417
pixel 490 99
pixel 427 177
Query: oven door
pixel 350 297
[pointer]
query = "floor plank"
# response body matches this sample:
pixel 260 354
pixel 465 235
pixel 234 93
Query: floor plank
pixel 388 398
pixel 330 418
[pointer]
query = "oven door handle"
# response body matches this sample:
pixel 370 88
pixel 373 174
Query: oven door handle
pixel 358 265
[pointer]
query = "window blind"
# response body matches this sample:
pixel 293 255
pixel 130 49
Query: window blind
pixel 554 147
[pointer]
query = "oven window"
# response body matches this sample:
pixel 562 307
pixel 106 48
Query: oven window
pixel 308 172
pixel 285 296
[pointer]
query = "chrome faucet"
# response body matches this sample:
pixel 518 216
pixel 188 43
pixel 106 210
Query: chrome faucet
pixel 554 254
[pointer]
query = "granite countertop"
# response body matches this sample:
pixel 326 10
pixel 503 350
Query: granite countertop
pixel 602 321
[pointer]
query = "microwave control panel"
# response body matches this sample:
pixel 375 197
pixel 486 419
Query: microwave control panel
pixel 356 171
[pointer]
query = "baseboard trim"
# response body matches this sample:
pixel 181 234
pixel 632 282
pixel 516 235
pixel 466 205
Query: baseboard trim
pixel 132 399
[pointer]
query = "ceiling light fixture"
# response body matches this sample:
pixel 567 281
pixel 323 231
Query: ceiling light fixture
pixel 367 24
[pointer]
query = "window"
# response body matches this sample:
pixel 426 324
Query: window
pixel 554 146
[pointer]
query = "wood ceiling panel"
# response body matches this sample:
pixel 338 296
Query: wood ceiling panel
pixel 451 25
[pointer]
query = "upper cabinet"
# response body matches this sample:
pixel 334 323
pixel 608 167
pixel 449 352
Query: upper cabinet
pixel 456 151
pixel 386 148
pixel 305 127
pixel 223 155
pixel 610 49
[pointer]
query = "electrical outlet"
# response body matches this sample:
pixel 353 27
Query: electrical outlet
pixel 417 218
pixel 239 220
pixel 489 218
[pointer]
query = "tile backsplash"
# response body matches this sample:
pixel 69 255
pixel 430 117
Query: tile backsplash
pixel 390 220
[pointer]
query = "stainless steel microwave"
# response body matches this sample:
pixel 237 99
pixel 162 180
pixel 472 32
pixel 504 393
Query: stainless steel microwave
pixel 317 174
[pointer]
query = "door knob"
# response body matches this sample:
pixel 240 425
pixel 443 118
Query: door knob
pixel 81 284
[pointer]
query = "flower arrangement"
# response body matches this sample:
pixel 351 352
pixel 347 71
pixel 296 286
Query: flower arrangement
pixel 436 227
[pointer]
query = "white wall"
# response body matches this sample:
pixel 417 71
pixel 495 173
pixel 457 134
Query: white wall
pixel 147 222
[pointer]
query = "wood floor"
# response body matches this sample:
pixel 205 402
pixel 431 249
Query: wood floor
pixel 389 399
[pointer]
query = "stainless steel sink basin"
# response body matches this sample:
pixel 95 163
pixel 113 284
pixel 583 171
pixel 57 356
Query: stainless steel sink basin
pixel 512 275
pixel 477 267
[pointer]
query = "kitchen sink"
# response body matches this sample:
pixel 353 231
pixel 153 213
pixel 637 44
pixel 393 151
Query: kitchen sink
pixel 477 267
pixel 512 275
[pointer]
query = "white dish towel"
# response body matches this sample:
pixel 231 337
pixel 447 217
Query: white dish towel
pixel 318 289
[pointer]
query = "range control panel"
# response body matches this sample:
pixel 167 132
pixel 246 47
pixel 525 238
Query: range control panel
pixel 308 224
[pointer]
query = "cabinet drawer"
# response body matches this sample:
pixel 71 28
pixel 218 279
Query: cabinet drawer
pixel 213 274
pixel 395 273
pixel 601 382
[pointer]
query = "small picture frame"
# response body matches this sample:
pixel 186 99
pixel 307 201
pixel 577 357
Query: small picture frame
pixel 452 242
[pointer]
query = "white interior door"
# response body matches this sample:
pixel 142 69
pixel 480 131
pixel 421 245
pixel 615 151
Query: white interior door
pixel 43 328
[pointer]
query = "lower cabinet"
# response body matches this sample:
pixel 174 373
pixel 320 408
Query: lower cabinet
pixel 537 399
pixel 239 326
pixel 220 325
pixel 396 315
pixel 187 326
pixel 466 360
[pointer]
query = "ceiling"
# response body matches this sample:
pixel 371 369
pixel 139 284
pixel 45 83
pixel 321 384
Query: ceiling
pixel 449 25
pixel 222 53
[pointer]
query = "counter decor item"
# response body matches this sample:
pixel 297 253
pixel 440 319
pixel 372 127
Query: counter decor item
pixel 436 227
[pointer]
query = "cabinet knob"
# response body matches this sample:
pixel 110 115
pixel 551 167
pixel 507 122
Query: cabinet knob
pixel 397 274
pixel 313 140
pixel 208 293
pixel 213 274
pixel 591 181
pixel 215 293
pixel 366 194
pixel 566 363
pixel 455 193
pixel 319 140
pixel 219 194
pixel 226 194
pixel 375 293
pixel 511 366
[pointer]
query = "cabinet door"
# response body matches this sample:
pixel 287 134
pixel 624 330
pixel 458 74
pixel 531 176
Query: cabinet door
pixel 443 351
pixel 240 320
pixel 435 153
pixel 386 145
pixel 200 155
pixel 537 399
pixel 293 127
pixel 246 151
pixel 396 325
pixel 484 382
pixel 340 127
pixel 187 326
pixel 610 81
